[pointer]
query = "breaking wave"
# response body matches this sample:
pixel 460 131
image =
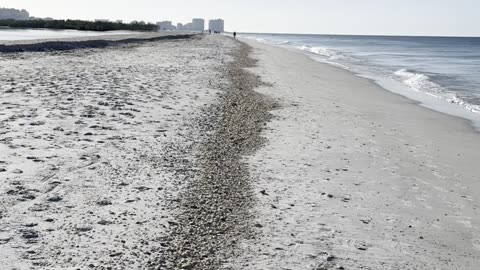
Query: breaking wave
pixel 418 81
pixel 318 50
pixel 424 84
pixel 385 61
pixel 330 56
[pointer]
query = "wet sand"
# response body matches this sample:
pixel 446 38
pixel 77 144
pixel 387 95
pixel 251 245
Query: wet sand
pixel 355 177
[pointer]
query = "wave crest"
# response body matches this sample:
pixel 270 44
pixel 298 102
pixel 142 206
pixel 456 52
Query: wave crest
pixel 318 50
pixel 418 81
pixel 423 83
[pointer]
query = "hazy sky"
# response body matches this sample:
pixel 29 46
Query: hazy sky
pixel 390 17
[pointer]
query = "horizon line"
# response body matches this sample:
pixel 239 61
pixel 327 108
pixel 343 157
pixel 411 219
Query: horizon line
pixel 364 35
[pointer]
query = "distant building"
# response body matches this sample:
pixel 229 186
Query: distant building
pixel 165 26
pixel 102 20
pixel 216 25
pixel 198 25
pixel 119 21
pixel 14 14
pixel 188 27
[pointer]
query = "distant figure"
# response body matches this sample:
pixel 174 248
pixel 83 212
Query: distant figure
pixel 235 34
pixel 210 31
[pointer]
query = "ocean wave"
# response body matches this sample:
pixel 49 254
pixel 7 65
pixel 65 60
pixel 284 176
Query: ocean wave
pixel 418 81
pixel 382 63
pixel 326 55
pixel 317 50
pixel 331 55
pixel 423 83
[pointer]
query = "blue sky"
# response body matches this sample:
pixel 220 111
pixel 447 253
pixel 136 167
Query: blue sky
pixel 388 17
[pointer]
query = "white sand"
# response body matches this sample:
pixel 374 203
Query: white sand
pixel 359 176
pixel 83 136
pixel 353 175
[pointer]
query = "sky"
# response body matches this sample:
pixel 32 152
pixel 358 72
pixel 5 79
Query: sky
pixel 360 17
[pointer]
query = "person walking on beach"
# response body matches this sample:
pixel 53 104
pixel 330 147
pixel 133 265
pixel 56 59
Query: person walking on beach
pixel 234 34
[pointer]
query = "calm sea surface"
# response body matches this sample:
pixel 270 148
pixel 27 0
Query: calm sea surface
pixel 442 72
pixel 30 34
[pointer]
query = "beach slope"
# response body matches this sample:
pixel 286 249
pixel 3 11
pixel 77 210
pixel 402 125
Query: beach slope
pixel 356 177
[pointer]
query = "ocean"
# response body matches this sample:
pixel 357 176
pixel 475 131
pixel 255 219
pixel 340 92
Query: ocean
pixel 441 73
pixel 31 34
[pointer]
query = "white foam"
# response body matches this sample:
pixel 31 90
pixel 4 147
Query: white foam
pixel 413 80
pixel 317 50
pixel 417 81
pixel 422 83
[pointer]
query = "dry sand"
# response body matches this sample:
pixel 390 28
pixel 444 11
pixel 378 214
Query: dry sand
pixel 355 177
pixel 84 171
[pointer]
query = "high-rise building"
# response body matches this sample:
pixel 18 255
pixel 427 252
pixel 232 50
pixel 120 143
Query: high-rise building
pixel 165 26
pixel 180 26
pixel 198 25
pixel 188 27
pixel 216 25
pixel 13 14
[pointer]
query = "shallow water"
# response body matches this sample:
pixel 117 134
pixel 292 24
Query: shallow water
pixel 31 34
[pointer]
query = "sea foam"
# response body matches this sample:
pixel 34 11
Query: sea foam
pixel 447 73
pixel 418 81
pixel 423 83
pixel 317 50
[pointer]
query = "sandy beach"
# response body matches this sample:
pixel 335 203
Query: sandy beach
pixel 357 177
pixel 88 141
pixel 203 152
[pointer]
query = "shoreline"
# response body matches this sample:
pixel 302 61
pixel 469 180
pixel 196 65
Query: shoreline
pixel 438 103
pixel 420 99
pixel 354 175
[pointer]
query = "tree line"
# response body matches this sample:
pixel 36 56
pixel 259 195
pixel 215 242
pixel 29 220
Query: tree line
pixel 79 25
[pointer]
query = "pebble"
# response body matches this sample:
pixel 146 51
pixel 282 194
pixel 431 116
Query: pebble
pixel 214 207
pixel 55 199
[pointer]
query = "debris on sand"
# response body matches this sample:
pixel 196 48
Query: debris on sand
pixel 216 200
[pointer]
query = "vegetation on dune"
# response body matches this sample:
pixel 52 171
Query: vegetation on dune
pixel 79 25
